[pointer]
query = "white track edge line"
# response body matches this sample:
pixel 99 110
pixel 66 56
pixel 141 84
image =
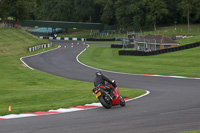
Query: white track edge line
pixel 125 73
pixel 147 93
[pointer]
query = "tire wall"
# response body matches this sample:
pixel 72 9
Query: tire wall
pixel 143 53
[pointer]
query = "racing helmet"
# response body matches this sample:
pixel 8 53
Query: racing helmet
pixel 98 73
pixel 114 82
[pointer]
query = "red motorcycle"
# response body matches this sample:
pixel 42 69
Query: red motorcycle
pixel 102 93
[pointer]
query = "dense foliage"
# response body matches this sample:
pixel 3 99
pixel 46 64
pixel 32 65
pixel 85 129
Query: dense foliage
pixel 123 13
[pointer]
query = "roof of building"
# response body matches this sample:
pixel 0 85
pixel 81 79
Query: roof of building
pixel 161 39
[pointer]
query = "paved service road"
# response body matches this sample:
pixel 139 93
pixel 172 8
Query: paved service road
pixel 172 106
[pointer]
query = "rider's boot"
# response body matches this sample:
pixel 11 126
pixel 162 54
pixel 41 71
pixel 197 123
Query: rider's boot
pixel 112 95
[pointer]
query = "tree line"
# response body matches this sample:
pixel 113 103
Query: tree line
pixel 126 14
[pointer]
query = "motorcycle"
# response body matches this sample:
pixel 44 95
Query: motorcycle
pixel 102 93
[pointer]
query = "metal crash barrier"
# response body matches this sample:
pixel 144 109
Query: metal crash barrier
pixel 42 46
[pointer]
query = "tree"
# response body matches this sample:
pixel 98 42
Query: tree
pixel 84 10
pixel 187 6
pixel 33 8
pixel 190 8
pixel 174 15
pixel 155 10
pixel 5 6
pixel 136 10
pixel 123 17
pixel 54 10
pixel 19 9
pixel 66 10
pixel 108 11
pixel 197 16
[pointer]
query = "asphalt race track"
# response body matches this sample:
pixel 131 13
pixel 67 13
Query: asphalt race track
pixel 172 106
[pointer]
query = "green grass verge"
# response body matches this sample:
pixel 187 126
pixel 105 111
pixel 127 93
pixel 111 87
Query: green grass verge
pixel 180 30
pixel 180 63
pixel 28 90
pixel 191 132
pixel 189 40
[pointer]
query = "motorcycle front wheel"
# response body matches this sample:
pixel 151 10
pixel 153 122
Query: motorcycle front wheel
pixel 122 102
pixel 105 101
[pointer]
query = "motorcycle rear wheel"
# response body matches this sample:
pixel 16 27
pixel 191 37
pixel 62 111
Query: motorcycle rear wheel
pixel 105 101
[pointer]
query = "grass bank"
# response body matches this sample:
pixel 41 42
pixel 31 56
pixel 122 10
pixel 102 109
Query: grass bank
pixel 176 30
pixel 28 90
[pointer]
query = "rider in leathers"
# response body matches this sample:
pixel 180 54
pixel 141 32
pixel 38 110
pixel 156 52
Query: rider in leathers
pixel 100 81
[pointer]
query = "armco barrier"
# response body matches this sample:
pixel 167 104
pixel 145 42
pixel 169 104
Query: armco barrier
pixel 42 46
pixel 143 53
pixel 80 39
pixel 63 38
